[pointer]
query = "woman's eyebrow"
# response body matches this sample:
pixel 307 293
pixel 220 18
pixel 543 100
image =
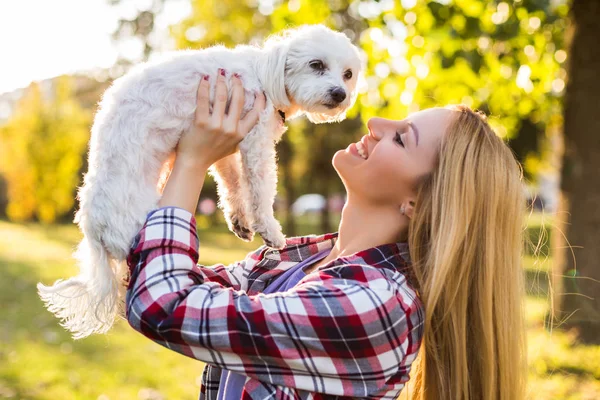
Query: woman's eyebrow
pixel 415 131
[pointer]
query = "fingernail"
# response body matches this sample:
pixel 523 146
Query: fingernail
pixel 205 77
pixel 221 71
pixel 237 75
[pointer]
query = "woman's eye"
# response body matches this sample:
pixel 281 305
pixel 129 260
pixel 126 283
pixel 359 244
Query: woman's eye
pixel 317 65
pixel 398 139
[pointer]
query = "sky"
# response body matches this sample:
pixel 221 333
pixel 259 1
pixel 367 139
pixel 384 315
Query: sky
pixel 40 39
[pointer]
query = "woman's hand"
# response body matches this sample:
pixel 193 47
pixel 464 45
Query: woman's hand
pixel 211 137
pixel 216 135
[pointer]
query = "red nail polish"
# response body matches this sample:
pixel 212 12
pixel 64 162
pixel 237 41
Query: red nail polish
pixel 222 71
pixel 205 77
pixel 237 75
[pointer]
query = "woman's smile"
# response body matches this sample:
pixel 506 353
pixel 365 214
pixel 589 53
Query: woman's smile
pixel 353 149
pixel 359 149
pixel 362 148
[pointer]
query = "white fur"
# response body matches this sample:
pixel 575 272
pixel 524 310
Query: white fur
pixel 137 127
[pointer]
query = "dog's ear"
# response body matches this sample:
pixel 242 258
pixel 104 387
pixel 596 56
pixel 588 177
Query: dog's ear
pixel 319 118
pixel 360 80
pixel 272 71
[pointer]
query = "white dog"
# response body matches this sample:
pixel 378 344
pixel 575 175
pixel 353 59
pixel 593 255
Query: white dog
pixel 311 70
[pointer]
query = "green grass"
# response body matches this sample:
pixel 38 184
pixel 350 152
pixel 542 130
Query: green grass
pixel 558 367
pixel 39 360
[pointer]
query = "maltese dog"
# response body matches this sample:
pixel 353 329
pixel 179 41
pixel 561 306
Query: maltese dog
pixel 310 70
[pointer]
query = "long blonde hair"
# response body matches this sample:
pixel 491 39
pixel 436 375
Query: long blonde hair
pixel 465 242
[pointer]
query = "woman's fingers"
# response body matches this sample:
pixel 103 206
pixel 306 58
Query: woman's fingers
pixel 237 98
pixel 220 100
pixel 230 125
pixel 248 122
pixel 202 101
pixel 217 121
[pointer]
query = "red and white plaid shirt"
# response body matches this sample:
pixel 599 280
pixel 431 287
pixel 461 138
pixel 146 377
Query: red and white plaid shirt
pixel 350 329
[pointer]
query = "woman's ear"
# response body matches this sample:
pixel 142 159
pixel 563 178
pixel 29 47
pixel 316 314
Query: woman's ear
pixel 408 208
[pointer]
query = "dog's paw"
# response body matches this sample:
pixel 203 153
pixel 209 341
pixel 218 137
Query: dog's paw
pixel 274 241
pixel 240 230
pixel 270 231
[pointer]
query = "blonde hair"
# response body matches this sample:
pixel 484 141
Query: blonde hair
pixel 465 242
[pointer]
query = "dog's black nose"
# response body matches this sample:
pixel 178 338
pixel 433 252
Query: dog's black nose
pixel 338 94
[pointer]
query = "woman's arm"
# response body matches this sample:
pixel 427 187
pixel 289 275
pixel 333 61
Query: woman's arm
pixel 211 137
pixel 344 331
pixel 184 185
pixel 233 276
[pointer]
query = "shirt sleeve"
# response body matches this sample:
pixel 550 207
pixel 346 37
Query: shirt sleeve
pixel 234 275
pixel 328 334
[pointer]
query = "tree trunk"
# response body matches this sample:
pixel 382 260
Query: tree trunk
pixel 3 197
pixel 577 255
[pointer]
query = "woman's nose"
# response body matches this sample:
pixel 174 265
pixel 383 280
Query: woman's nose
pixel 375 126
pixel 379 127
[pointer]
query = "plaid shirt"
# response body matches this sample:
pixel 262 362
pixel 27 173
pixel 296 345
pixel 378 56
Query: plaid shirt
pixel 350 329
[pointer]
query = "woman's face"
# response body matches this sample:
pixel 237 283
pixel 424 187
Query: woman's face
pixel 384 167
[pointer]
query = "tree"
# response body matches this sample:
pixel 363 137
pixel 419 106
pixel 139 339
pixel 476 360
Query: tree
pixel 578 284
pixel 502 57
pixel 136 27
pixel 41 152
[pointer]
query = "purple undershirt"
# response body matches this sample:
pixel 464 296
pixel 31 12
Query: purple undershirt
pixel 231 385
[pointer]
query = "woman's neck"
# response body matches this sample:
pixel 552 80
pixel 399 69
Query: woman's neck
pixel 364 226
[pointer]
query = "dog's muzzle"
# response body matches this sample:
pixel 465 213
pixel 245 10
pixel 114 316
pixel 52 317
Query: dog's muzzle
pixel 337 95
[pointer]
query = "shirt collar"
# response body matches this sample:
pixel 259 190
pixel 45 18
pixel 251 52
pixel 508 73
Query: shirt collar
pixel 394 256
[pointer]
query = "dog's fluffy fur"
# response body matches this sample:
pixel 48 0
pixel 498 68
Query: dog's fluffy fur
pixel 138 125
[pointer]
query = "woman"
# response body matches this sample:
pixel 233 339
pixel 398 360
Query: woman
pixel 434 207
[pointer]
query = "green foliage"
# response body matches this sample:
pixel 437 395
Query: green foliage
pixel 505 58
pixel 41 152
pixel 226 22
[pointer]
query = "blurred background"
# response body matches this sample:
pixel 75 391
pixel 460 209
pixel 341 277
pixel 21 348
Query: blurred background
pixel 531 65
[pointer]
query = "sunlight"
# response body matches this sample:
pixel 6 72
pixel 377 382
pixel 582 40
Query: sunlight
pixel 69 36
pixel 53 41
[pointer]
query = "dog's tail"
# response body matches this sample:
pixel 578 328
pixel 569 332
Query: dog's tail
pixel 88 302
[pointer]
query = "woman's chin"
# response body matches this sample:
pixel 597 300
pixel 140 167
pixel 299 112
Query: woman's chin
pixel 339 160
pixel 343 162
pixel 348 156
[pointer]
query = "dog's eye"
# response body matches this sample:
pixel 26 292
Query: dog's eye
pixel 317 65
pixel 348 74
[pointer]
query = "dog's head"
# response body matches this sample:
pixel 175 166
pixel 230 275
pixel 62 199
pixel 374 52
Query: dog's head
pixel 315 70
